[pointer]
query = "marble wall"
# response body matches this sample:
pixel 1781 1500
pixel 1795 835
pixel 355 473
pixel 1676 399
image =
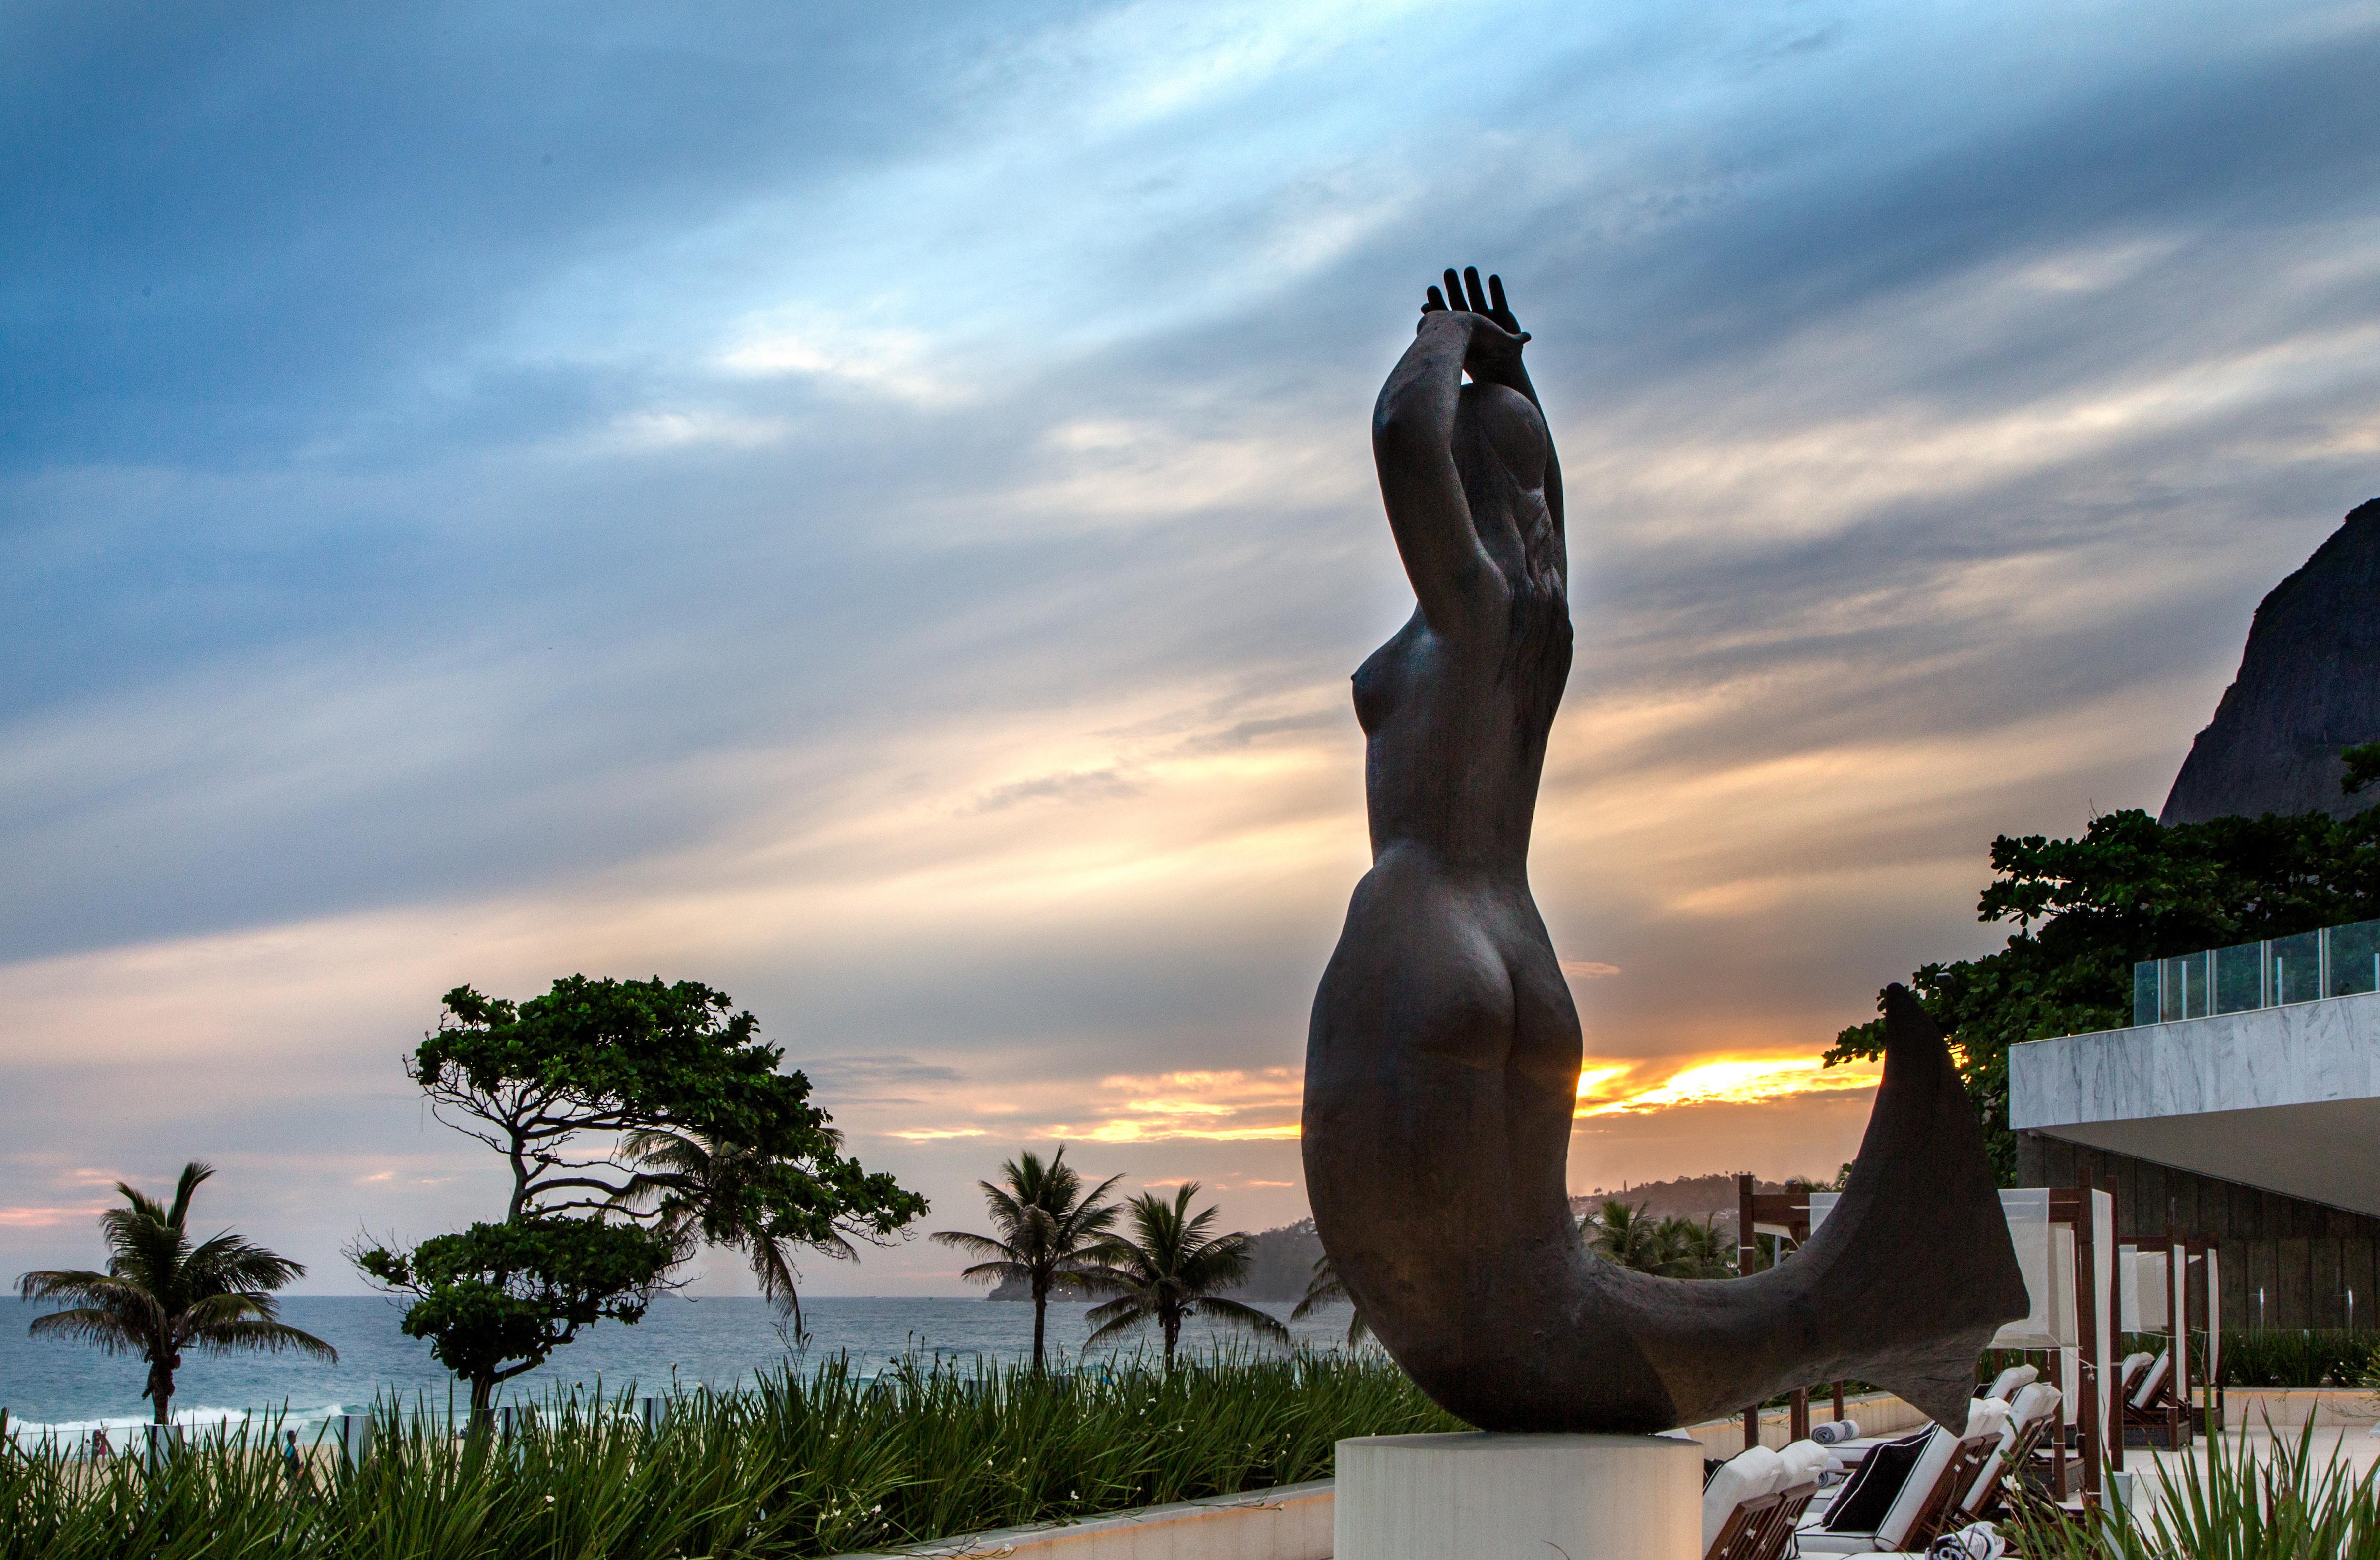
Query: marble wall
pixel 2305 1053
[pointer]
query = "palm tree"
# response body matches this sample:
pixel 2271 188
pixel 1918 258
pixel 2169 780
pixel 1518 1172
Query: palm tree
pixel 1049 1230
pixel 1624 1234
pixel 1695 1250
pixel 704 1189
pixel 161 1295
pixel 1325 1287
pixel 1170 1270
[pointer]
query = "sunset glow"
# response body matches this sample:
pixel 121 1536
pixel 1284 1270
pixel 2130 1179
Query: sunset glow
pixel 1722 1079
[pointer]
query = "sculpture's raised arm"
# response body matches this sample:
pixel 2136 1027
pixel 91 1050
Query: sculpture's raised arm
pixel 1412 444
pixel 1500 366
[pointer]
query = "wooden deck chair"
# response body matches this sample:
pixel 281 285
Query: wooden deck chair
pixel 2030 1419
pixel 1750 1476
pixel 1752 1502
pixel 2153 1415
pixel 1917 1482
pixel 1761 1527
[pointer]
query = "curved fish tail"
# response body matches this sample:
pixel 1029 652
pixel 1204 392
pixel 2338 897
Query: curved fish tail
pixel 1915 1263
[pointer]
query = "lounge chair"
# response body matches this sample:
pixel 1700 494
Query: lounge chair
pixel 2008 1383
pixel 2030 1418
pixel 2153 1415
pixel 1753 1501
pixel 1904 1492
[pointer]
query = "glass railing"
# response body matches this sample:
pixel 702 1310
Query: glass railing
pixel 2335 962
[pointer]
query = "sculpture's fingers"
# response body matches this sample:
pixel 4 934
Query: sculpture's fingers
pixel 1478 293
pixel 1453 289
pixel 1504 315
pixel 1434 304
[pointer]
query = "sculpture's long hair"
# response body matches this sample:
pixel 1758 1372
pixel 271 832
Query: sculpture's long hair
pixel 1538 643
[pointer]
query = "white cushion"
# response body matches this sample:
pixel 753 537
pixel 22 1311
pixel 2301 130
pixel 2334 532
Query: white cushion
pixel 1804 1461
pixel 1748 1475
pixel 2015 1379
pixel 2145 1394
pixel 1985 1416
pixel 2035 1402
pixel 2132 1367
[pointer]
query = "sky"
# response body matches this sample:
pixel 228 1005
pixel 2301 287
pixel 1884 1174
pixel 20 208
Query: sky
pixel 871 509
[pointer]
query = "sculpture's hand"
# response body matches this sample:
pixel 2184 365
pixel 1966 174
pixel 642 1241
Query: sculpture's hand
pixel 1496 335
pixel 1490 304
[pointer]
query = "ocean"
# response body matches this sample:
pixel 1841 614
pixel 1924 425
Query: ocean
pixel 65 1390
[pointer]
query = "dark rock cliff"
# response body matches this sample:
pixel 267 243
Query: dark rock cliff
pixel 2309 685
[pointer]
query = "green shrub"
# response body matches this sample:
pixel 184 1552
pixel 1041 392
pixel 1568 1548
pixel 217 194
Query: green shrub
pixel 800 1466
pixel 2285 1506
pixel 2328 1356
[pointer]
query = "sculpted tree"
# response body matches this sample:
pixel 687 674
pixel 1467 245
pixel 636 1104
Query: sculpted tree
pixel 163 1294
pixel 637 1121
pixel 1049 1230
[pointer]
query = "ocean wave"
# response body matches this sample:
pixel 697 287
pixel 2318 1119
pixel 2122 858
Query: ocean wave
pixel 124 1431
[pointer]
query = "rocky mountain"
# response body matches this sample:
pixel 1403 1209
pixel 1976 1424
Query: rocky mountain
pixel 2309 685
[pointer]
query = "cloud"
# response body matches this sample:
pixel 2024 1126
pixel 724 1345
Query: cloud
pixel 1231 1106
pixel 881 520
pixel 21 1217
pixel 1081 785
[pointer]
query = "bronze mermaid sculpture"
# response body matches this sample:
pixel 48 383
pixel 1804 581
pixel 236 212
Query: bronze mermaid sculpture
pixel 1443 1063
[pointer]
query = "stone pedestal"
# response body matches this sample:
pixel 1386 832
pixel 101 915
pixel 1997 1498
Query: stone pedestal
pixel 1519 1498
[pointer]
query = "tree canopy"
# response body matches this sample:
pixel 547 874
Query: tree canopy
pixel 496 1300
pixel 2128 889
pixel 1675 1247
pixel 638 1119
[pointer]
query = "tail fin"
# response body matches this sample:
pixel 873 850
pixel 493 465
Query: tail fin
pixel 1917 1252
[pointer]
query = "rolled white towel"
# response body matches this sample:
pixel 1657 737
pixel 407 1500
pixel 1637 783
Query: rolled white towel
pixel 1835 1431
pixel 1976 1541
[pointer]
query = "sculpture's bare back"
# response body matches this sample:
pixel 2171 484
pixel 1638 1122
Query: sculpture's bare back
pixel 1442 1064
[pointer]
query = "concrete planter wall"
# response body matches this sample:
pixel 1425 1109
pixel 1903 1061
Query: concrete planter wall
pixel 1289 1523
pixel 2344 1408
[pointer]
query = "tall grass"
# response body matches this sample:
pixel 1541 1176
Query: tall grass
pixel 798 1466
pixel 2287 1506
